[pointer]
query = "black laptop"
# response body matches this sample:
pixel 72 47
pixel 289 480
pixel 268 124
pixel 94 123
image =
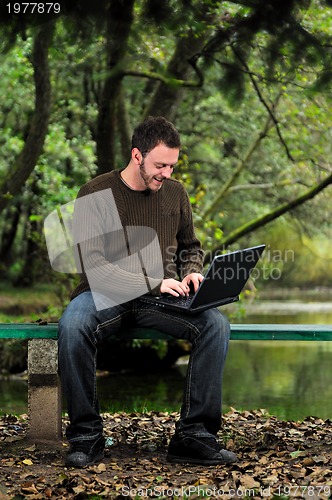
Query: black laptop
pixel 222 284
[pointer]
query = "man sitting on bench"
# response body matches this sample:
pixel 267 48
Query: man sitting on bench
pixel 134 234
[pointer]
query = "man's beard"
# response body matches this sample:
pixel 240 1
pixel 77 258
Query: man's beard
pixel 147 179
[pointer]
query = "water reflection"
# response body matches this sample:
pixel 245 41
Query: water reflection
pixel 291 380
pixel 138 392
pixel 292 312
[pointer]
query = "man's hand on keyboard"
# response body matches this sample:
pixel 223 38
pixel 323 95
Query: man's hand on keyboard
pixel 193 279
pixel 174 287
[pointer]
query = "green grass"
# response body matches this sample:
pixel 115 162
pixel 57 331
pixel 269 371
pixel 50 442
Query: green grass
pixel 40 292
pixel 9 318
pixel 19 304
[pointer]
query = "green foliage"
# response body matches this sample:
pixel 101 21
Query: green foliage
pixel 255 129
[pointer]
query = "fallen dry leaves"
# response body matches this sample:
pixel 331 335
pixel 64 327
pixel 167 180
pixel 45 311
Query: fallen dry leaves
pixel 277 459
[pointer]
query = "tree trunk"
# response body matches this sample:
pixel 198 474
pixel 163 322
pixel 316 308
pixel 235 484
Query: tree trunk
pixel 26 161
pixel 119 23
pixel 123 128
pixel 12 218
pixel 166 99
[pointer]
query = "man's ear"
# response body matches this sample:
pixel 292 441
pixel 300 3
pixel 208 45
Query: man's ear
pixel 136 156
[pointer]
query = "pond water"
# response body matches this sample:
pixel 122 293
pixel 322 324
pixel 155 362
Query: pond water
pixel 312 313
pixel 291 380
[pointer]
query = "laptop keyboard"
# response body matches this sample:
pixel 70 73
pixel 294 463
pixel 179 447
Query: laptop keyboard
pixel 182 301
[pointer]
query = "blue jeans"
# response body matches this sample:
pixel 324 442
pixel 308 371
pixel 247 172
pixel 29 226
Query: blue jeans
pixel 82 325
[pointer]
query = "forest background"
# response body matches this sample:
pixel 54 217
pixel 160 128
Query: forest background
pixel 248 85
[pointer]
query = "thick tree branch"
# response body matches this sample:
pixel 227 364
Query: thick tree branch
pixel 166 80
pixel 267 185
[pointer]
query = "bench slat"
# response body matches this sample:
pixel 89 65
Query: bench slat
pixel 238 332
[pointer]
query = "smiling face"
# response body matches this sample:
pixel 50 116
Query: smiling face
pixel 155 166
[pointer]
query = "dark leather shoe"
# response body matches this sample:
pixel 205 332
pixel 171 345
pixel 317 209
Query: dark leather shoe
pixel 83 453
pixel 198 451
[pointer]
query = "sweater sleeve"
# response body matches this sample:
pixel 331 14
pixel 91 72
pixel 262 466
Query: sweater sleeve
pixel 190 255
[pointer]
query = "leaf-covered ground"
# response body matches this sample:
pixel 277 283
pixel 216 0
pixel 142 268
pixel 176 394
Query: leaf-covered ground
pixel 277 459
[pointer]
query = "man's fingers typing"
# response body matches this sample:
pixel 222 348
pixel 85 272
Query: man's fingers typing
pixel 174 287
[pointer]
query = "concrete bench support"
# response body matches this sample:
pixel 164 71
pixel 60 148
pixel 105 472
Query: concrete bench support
pixel 44 394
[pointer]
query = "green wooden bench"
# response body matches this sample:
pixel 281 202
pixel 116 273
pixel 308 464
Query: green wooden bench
pixel 44 395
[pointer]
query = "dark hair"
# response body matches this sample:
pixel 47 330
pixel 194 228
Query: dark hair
pixel 155 130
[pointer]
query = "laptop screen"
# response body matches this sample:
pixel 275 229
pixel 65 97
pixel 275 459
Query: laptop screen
pixel 227 275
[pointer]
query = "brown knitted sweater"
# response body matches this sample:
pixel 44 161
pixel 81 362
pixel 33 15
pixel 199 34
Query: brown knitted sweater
pixel 167 211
